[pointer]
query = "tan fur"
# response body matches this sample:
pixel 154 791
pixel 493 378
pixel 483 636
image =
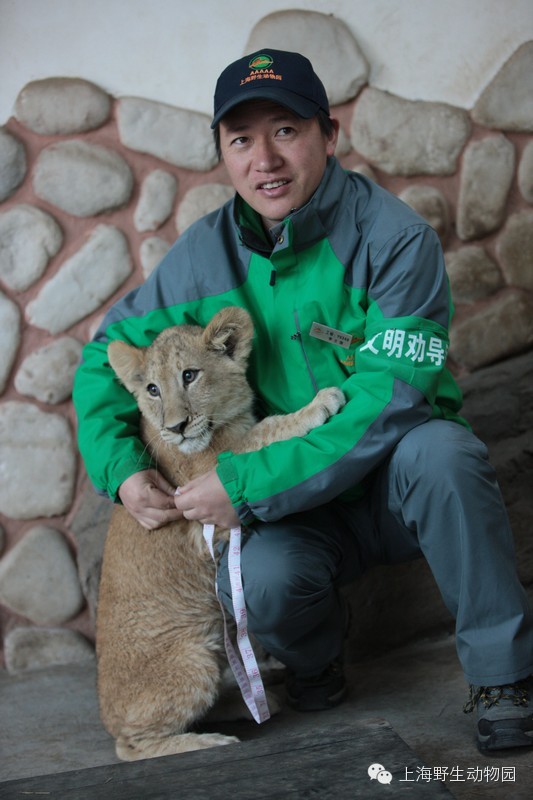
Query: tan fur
pixel 159 628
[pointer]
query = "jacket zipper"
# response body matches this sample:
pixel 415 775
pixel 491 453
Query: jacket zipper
pixel 298 336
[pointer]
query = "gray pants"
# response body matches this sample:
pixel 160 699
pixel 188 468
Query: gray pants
pixel 436 496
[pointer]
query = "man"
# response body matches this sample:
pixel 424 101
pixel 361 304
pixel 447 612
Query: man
pixel 346 286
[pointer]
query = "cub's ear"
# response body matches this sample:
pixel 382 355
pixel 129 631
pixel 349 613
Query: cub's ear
pixel 230 332
pixel 128 364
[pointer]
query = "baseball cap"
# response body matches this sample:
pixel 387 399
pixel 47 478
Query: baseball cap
pixel 278 75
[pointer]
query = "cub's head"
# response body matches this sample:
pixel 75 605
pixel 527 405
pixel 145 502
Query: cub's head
pixel 190 380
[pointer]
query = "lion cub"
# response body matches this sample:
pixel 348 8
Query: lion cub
pixel 159 630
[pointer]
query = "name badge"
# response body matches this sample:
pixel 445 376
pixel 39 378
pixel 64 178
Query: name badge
pixel 331 335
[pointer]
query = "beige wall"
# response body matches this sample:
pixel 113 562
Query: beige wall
pixel 172 50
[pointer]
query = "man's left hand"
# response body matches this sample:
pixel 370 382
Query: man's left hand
pixel 206 500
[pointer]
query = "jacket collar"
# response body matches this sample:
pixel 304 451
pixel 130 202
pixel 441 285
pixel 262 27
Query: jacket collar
pixel 308 224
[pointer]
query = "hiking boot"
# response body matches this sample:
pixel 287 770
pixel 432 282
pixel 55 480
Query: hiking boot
pixel 317 692
pixel 505 714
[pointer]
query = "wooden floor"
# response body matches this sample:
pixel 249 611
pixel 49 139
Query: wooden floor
pixel 329 763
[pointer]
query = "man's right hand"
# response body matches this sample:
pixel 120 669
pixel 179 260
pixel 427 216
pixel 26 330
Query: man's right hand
pixel 149 497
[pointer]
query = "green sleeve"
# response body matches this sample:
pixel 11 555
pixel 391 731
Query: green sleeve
pixel 108 423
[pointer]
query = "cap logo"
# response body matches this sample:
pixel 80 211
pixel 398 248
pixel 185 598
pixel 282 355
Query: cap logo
pixel 261 62
pixel 259 67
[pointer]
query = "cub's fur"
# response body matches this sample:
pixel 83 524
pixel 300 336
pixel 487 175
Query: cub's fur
pixel 159 628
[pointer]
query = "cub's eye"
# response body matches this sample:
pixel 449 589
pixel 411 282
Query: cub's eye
pixel 188 376
pixel 153 390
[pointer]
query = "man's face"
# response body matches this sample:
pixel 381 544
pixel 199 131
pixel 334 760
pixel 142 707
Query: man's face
pixel 274 158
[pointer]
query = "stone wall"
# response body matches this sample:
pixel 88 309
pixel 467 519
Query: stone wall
pixel 94 189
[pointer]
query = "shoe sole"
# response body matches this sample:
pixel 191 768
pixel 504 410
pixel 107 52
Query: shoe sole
pixel 504 734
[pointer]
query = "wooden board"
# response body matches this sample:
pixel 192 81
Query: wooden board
pixel 329 763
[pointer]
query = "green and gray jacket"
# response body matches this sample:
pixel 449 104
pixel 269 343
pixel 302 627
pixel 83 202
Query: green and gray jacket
pixel 354 260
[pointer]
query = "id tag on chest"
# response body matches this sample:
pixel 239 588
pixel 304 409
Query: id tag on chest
pixel 331 335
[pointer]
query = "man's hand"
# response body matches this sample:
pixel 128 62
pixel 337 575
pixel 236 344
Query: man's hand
pixel 206 500
pixel 149 498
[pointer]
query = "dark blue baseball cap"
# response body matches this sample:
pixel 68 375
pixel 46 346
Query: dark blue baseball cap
pixel 278 75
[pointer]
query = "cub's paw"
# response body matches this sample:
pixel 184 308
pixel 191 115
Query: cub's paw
pixel 331 400
pixel 206 740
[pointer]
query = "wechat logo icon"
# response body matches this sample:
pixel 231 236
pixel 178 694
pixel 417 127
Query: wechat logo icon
pixel 379 773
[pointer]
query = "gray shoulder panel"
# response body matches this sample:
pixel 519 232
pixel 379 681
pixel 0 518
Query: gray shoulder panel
pixel 391 252
pixel 206 260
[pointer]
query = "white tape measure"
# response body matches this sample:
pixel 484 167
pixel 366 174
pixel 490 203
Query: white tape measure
pixel 246 674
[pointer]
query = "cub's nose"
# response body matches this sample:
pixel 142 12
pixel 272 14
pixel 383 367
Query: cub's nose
pixel 179 427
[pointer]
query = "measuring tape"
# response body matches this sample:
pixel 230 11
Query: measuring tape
pixel 246 673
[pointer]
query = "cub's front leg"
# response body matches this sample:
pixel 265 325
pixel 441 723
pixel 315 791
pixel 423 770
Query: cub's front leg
pixel 324 405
